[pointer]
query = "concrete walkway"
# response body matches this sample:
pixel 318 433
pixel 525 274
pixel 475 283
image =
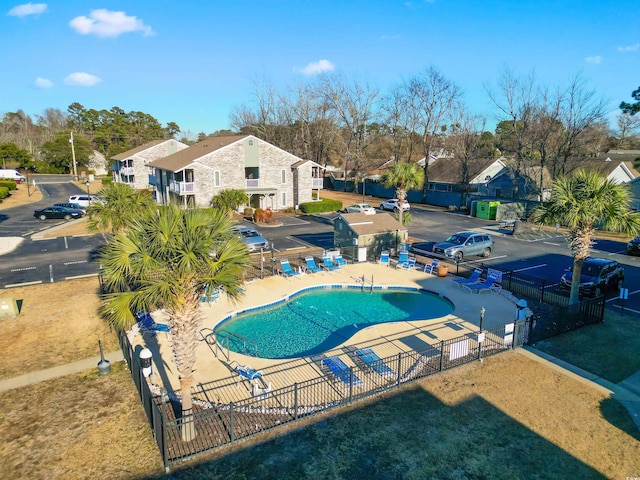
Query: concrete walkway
pixel 57 372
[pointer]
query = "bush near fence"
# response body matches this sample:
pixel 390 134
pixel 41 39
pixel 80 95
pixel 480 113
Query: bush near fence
pixel 324 205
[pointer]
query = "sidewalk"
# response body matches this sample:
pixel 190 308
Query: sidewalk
pixel 59 371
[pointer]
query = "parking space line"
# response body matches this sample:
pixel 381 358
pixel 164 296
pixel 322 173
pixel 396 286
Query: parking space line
pixel 530 268
pixel 551 243
pixel 627 309
pixel 12 285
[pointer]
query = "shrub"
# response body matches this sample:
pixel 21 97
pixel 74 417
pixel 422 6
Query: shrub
pixel 106 180
pixel 4 192
pixel 248 212
pixel 324 205
pixel 9 184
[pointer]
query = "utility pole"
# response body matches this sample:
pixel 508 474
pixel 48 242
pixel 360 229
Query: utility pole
pixel 73 155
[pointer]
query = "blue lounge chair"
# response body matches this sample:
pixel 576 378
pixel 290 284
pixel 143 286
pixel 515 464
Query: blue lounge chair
pixel 410 264
pixel 341 370
pixel 490 284
pixel 210 294
pixel 403 257
pixel 384 258
pixel 247 373
pixel 287 270
pixel 372 359
pixel 431 268
pixel 148 324
pixel 474 278
pixel 340 262
pixel 328 263
pixel 311 265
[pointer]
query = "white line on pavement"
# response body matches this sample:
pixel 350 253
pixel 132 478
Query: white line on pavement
pixel 551 243
pixel 530 268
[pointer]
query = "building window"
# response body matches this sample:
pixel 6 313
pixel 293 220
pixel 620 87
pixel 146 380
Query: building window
pixel 216 178
pixel 283 198
pixel 283 176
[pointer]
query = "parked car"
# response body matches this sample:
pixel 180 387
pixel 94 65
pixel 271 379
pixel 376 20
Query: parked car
pixel 57 212
pixel 462 244
pixel 360 208
pixel 72 206
pixel 84 200
pixel 597 276
pixel 633 247
pixel 394 206
pixel 251 238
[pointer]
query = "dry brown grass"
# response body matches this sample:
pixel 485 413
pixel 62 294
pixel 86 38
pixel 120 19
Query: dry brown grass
pixel 58 324
pixel 21 196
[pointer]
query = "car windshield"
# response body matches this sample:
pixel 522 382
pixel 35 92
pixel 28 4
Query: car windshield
pixel 591 269
pixel 249 233
pixel 456 239
pixel 364 205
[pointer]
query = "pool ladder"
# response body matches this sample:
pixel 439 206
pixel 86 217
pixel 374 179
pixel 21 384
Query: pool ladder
pixel 237 338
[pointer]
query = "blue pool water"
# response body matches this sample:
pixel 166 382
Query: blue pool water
pixel 317 320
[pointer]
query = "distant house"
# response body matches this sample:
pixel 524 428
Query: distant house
pixel 358 234
pixel 617 165
pixel 98 164
pixel 130 167
pixel 271 178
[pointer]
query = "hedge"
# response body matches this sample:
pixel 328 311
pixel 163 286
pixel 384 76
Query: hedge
pixel 4 192
pixel 324 205
pixel 10 184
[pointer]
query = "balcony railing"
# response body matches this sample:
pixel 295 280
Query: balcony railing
pixel 252 182
pixel 182 188
pixel 153 180
pixel 317 182
pixel 125 171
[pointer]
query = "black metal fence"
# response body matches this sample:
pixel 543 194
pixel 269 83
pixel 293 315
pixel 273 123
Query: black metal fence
pixel 216 424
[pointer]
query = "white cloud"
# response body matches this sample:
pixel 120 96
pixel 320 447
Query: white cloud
pixel 318 67
pixel 594 60
pixel 82 79
pixel 27 9
pixel 630 48
pixel 43 83
pixel 107 23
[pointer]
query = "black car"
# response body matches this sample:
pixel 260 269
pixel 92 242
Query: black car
pixel 597 276
pixel 72 206
pixel 633 247
pixel 57 212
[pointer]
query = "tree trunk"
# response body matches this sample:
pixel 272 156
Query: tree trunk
pixel 188 427
pixel 574 296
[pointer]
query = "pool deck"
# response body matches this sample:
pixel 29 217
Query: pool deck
pixel 213 368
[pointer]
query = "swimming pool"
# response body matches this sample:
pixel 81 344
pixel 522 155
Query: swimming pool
pixel 318 319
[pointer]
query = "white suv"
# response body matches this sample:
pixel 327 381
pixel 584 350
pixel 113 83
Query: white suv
pixel 83 200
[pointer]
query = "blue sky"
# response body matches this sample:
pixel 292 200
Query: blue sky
pixel 192 62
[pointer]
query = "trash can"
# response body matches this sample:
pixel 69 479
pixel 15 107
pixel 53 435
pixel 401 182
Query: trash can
pixel 521 310
pixel 487 210
pixel 362 254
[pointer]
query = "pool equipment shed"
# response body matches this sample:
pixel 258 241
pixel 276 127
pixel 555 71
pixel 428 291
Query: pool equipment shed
pixel 362 237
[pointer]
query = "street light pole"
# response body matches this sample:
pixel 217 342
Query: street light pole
pixel 73 156
pixel 88 184
pixel 481 333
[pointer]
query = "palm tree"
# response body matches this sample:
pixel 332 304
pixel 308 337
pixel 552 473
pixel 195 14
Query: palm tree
pixel 166 260
pixel 229 199
pixel 403 176
pixel 122 205
pixel 583 202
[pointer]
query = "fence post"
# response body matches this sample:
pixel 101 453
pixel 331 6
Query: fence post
pixel 510 276
pixel 163 425
pixel 515 334
pixel 398 369
pixel 542 291
pixel 232 436
pixel 441 354
pixel 350 384
pixel 295 400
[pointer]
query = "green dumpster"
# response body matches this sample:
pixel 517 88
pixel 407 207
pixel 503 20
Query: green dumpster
pixel 487 210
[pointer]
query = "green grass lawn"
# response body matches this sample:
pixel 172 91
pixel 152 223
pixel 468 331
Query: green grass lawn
pixel 609 349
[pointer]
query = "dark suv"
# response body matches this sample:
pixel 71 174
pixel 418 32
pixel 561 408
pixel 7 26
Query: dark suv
pixel 597 276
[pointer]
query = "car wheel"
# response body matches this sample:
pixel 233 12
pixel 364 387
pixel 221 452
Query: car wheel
pixel 67 217
pixel 597 292
pixel 396 209
pixel 486 252
pixel 381 207
pixel 42 217
pixel 458 256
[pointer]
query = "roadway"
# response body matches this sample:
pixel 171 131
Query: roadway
pixel 541 254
